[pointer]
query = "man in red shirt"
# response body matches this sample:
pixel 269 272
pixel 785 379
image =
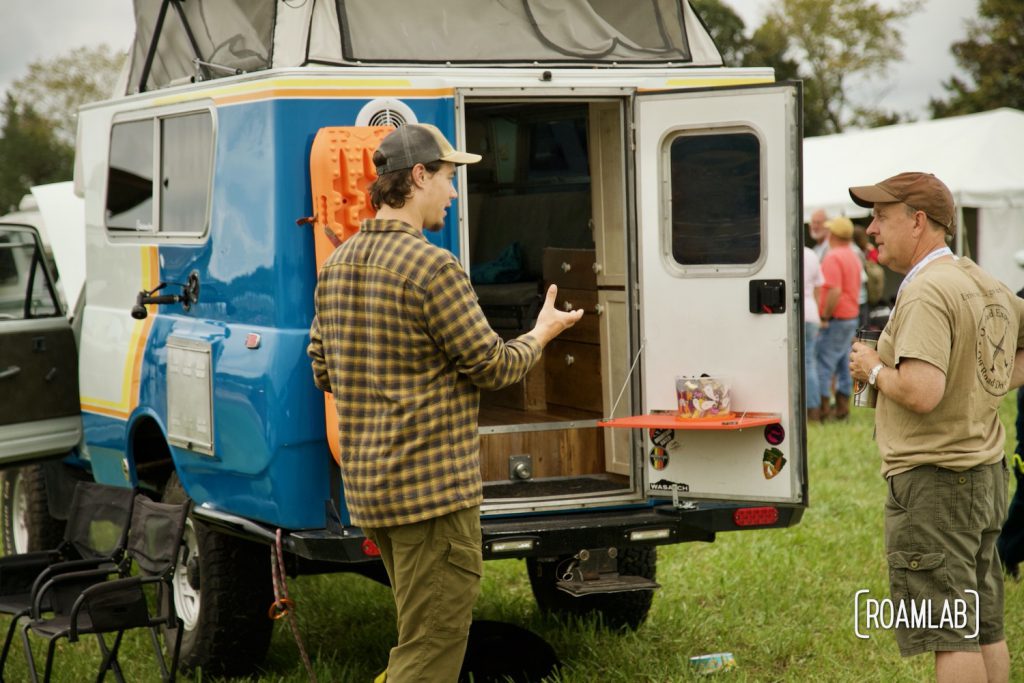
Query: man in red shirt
pixel 839 309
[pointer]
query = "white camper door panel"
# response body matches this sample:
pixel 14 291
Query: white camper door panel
pixel 718 208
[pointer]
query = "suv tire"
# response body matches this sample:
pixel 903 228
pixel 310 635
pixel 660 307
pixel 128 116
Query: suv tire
pixel 27 524
pixel 222 592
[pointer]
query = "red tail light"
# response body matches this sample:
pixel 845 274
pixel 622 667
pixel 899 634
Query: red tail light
pixel 370 548
pixel 755 516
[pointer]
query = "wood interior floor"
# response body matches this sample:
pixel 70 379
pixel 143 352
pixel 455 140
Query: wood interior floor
pixel 492 416
pixel 573 487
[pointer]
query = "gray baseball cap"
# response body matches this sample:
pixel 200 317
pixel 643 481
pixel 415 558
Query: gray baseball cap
pixel 418 143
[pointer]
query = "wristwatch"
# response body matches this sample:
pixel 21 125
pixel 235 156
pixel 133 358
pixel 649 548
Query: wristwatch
pixel 873 375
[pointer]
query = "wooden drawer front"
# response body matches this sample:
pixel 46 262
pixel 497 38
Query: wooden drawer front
pixel 588 329
pixel 570 268
pixel 573 374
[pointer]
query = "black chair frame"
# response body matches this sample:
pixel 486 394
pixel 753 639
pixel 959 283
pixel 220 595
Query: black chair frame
pixel 23 575
pixel 102 602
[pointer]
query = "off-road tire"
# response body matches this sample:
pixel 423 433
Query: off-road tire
pixel 231 633
pixel 616 610
pixel 27 524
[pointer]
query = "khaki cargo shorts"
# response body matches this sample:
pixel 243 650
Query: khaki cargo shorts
pixel 940 538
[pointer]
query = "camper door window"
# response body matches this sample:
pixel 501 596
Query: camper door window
pixel 715 199
pixel 159 176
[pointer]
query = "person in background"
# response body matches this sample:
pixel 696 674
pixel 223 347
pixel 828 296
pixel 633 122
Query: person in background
pixel 813 280
pixel 819 233
pixel 400 340
pixel 860 237
pixel 874 275
pixel 1010 543
pixel 840 313
pixel 950 352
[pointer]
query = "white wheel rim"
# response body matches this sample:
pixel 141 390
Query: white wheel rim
pixel 19 515
pixel 186 598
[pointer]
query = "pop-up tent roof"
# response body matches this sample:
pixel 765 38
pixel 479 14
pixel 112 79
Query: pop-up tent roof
pixel 978 156
pixel 176 41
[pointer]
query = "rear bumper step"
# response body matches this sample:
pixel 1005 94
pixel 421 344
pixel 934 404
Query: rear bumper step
pixel 607 584
pixel 550 535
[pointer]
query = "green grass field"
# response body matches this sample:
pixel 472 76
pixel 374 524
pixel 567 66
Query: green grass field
pixel 782 601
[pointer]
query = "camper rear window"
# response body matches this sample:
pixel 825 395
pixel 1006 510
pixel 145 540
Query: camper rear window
pixel 715 201
pixel 159 175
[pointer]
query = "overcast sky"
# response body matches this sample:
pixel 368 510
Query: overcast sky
pixel 927 60
pixel 43 29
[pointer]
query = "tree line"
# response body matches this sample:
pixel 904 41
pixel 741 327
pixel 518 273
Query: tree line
pixel 825 43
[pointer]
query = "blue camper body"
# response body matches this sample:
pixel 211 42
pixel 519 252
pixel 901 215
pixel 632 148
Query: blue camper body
pixel 258 275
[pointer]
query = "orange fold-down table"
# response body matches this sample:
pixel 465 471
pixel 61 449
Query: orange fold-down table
pixel 741 420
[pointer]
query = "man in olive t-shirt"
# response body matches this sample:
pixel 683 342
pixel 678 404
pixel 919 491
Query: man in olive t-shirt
pixel 944 362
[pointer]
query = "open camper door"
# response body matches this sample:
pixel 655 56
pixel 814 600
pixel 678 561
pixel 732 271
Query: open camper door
pixel 718 205
pixel 39 405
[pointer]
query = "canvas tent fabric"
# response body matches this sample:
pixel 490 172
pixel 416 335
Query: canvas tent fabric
pixel 205 39
pixel 977 156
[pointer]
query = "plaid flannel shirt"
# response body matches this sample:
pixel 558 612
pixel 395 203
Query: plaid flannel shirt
pixel 401 342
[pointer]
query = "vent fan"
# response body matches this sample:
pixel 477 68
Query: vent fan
pixel 387 117
pixel 385 111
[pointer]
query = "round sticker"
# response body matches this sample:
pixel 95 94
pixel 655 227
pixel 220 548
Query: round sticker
pixel 774 434
pixel 659 458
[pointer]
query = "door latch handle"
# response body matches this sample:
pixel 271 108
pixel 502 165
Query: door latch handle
pixel 9 372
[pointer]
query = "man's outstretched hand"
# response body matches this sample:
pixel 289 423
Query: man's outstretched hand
pixel 551 322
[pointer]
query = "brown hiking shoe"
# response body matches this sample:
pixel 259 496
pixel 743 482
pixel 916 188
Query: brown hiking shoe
pixel 825 410
pixel 842 406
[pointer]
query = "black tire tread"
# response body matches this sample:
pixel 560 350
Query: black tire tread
pixel 44 532
pixel 233 634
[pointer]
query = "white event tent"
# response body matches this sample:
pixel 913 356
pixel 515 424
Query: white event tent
pixel 979 156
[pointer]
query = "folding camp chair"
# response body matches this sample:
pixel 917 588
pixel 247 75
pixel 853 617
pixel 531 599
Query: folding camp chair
pixel 119 604
pixel 94 538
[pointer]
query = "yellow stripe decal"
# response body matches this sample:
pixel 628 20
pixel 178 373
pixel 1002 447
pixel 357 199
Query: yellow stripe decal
pixel 298 87
pixel 150 278
pixel 714 82
pixel 132 371
pixel 333 93
pixel 86 408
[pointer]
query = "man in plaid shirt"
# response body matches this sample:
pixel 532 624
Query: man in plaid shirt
pixel 401 342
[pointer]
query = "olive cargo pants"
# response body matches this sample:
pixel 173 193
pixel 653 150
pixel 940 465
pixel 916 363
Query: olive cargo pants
pixel 435 568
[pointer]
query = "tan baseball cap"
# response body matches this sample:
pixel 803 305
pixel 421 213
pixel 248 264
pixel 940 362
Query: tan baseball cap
pixel 841 227
pixel 920 191
pixel 418 143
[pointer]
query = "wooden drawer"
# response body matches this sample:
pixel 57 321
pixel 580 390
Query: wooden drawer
pixel 572 374
pixel 570 268
pixel 588 329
